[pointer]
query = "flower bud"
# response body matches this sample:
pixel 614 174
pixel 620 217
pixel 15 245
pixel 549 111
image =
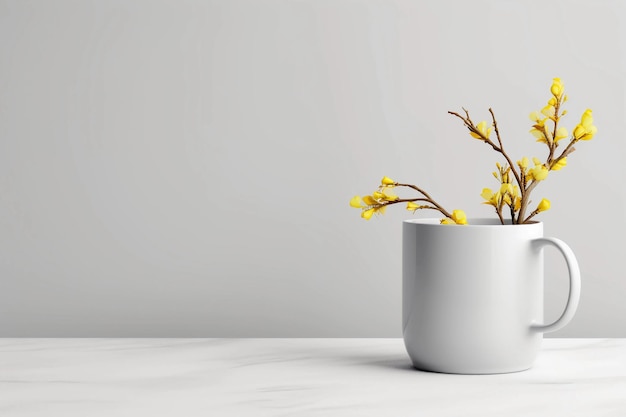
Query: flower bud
pixel 411 206
pixel 544 205
pixel 557 87
pixel 459 217
pixel 356 202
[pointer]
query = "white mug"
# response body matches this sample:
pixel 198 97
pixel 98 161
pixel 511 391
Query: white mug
pixel 472 295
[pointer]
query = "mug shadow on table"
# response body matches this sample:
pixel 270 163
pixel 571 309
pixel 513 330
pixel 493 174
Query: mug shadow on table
pixel 395 362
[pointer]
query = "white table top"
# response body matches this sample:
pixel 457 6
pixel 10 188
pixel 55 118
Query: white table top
pixel 296 377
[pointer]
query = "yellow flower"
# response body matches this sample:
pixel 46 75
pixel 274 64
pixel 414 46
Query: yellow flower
pixel 579 131
pixel 356 202
pixel 387 181
pixel 367 214
pixel 388 195
pixel 506 188
pixel 557 87
pixel 535 117
pixel 492 199
pixel 544 205
pixel 559 164
pixel 549 111
pixel 539 130
pixel 411 206
pixel 587 118
pixel 482 128
pixel 585 130
pixel 369 200
pixel 459 217
pixel 538 134
pixel 538 172
pixel 561 133
pixel 523 163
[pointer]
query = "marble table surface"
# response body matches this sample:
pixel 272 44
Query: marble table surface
pixel 296 377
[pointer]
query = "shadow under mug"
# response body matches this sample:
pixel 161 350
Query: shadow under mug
pixel 472 295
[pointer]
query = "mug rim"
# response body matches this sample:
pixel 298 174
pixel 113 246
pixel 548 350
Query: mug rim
pixel 472 222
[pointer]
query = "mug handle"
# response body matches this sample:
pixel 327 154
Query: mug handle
pixel 574 284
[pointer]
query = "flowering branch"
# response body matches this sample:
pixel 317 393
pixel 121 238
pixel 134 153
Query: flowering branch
pixel 514 195
pixel 379 200
pixel 528 178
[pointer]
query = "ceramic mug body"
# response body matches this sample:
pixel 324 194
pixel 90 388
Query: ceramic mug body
pixel 473 295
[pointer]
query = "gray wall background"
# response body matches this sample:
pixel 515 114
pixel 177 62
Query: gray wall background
pixel 183 168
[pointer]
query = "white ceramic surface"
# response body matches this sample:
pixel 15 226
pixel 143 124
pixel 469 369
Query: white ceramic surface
pixel 473 295
pixel 296 377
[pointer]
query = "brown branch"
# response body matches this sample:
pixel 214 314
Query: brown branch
pixel 501 150
pixel 430 199
pixel 533 214
pixel 406 200
pixel 499 213
pixel 524 203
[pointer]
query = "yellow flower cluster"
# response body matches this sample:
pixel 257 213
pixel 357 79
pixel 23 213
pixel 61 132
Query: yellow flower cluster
pixel 508 194
pixel 546 130
pixel 457 217
pixel 377 202
pixel 481 132
pixel 585 130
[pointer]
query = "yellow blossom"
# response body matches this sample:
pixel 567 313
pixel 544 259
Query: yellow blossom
pixel 369 200
pixel 535 117
pixel 523 163
pixel 539 129
pixel 487 194
pixel 561 133
pixel 539 172
pixel 459 217
pixel 557 87
pixel 559 164
pixel 388 195
pixel 585 130
pixel 356 202
pixel 506 188
pixel 544 205
pixel 387 181
pixel 411 206
pixel 548 111
pixel 482 128
pixel 367 214
pixel 492 199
